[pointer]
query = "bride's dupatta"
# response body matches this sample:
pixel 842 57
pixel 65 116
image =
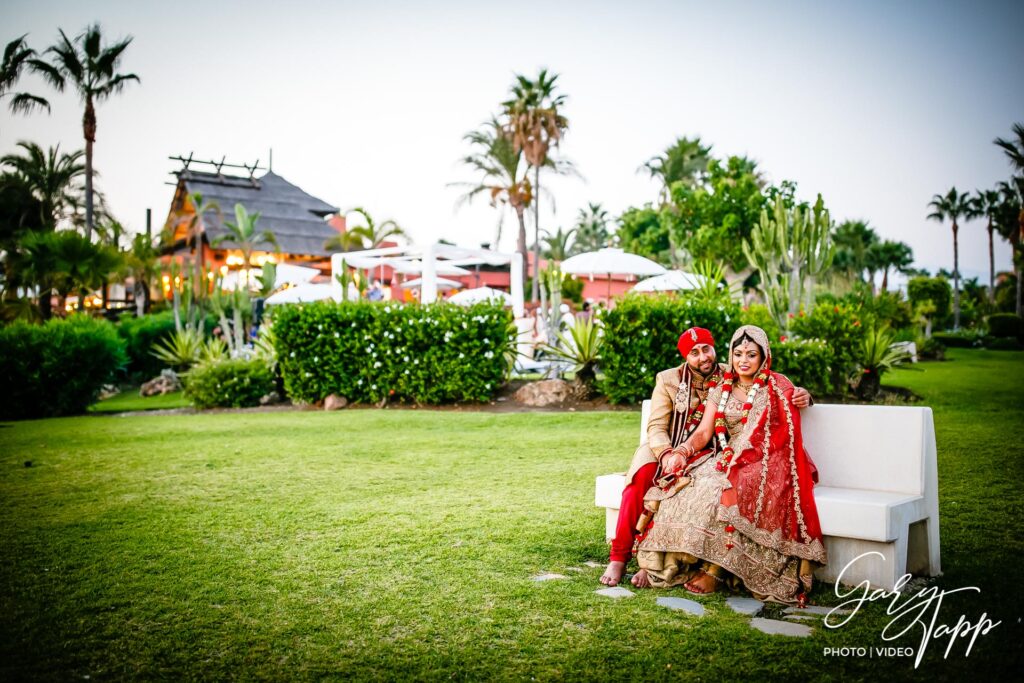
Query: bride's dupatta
pixel 771 499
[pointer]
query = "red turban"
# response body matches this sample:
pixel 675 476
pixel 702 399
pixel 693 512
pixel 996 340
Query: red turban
pixel 692 337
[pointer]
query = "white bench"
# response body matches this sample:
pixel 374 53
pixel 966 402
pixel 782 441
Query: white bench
pixel 877 490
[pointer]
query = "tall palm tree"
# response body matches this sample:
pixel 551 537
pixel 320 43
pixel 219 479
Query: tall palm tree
pixel 853 240
pixel 1014 148
pixel 1010 226
pixel 952 207
pixel 245 235
pixel 90 67
pixel 892 255
pixel 684 161
pixel 536 124
pixel 18 55
pixel 53 177
pixel 591 229
pixel 986 204
pixel 369 236
pixel 501 176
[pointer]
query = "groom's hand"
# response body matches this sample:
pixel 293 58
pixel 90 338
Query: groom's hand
pixel 801 397
pixel 673 462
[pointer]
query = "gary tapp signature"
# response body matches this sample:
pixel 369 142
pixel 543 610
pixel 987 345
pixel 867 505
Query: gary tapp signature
pixel 920 610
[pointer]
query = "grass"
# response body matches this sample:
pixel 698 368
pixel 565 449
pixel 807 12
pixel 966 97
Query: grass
pixel 400 544
pixel 129 400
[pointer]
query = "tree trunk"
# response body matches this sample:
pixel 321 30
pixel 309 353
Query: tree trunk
pixel 991 266
pixel 885 280
pixel 956 278
pixel 521 244
pixel 535 289
pixel 89 129
pixel 45 305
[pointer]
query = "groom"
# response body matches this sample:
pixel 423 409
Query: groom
pixel 678 393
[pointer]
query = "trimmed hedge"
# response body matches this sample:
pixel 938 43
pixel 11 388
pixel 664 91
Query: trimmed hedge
pixel 57 368
pixel 1005 325
pixel 640 337
pixel 841 329
pixel 369 351
pixel 140 335
pixel 807 363
pixel 236 383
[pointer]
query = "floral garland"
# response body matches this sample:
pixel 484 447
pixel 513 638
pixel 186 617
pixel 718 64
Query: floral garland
pixel 725 461
pixel 698 413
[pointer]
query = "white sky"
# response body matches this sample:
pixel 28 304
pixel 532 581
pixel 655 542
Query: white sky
pixel 877 106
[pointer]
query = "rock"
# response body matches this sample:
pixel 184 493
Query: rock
pixel 748 606
pixel 688 606
pixel 594 565
pixel 781 628
pixel 802 617
pixel 164 384
pixel 616 592
pixel 547 392
pixel 335 402
pixel 270 399
pixel 815 609
pixel 549 577
pixel 108 390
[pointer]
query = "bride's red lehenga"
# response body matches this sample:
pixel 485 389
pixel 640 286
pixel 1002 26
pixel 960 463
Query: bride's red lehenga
pixel 758 520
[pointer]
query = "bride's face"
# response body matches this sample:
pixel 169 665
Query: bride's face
pixel 746 359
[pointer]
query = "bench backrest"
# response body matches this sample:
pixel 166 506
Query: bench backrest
pixel 878 448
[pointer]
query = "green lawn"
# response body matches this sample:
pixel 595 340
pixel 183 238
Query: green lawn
pixel 129 400
pixel 400 544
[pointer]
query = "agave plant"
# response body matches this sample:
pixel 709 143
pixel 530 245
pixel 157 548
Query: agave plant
pixel 711 284
pixel 213 350
pixel 580 345
pixel 877 357
pixel 181 349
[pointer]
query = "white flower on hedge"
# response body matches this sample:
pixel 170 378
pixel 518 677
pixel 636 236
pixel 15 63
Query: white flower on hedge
pixel 489 354
pixel 462 355
pixel 359 383
pixel 293 354
pixel 643 368
pixel 643 333
pixel 416 361
pixel 373 387
pixel 406 359
pixel 337 336
pixel 377 364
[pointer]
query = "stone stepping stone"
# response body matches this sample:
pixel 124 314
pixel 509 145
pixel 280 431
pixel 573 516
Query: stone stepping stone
pixel 688 606
pixel 748 606
pixel 615 592
pixel 594 565
pixel 814 609
pixel 549 577
pixel 782 628
pixel 802 617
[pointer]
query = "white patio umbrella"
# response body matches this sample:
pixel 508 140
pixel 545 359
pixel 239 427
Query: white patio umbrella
pixel 299 294
pixel 478 294
pixel 440 267
pixel 670 281
pixel 610 261
pixel 442 283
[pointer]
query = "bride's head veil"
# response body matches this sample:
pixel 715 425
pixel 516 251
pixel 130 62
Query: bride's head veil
pixel 759 337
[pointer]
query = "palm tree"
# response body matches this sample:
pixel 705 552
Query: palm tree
pixel 91 68
pixel 536 124
pixel 892 255
pixel 17 55
pixel 685 161
pixel 986 204
pixel 952 207
pixel 591 229
pixel 558 244
pixel 52 176
pixel 1014 149
pixel 853 240
pixel 369 236
pixel 498 163
pixel 245 236
pixel 36 264
pixel 143 264
pixel 1010 225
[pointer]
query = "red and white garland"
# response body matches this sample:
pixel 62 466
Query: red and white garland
pixel 725 461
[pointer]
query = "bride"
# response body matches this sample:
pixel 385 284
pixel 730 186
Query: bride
pixel 742 511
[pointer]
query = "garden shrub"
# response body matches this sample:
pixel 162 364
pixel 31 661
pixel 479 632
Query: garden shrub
pixel 964 339
pixel 807 363
pixel 1002 344
pixel 140 335
pixel 57 368
pixel 235 383
pixel 367 352
pixel 640 337
pixel 840 327
pixel 930 348
pixel 758 314
pixel 1005 325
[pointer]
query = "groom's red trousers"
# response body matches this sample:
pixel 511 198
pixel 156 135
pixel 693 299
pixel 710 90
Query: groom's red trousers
pixel 629 512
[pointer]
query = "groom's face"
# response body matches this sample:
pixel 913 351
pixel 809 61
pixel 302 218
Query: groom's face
pixel 701 359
